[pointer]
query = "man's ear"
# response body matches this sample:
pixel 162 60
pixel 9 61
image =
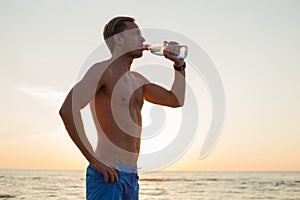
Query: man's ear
pixel 118 39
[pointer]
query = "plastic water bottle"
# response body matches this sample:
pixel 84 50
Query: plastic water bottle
pixel 158 48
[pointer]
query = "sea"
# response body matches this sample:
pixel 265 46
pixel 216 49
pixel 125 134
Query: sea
pixel 70 185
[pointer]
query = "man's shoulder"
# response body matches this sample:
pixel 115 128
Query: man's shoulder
pixel 97 74
pixel 100 66
pixel 98 69
pixel 140 77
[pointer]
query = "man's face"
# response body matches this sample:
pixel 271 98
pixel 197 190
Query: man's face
pixel 133 40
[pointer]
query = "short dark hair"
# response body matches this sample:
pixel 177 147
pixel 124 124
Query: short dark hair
pixel 113 27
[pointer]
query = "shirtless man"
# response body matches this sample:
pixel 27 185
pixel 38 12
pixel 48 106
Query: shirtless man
pixel 116 97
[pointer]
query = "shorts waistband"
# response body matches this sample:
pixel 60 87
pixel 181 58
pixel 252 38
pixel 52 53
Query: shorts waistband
pixel 127 168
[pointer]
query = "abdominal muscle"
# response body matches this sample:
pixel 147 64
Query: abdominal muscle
pixel 108 151
pixel 117 142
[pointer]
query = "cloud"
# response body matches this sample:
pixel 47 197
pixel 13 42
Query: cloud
pixel 50 95
pixel 33 109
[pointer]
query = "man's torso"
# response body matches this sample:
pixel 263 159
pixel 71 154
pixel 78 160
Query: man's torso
pixel 118 105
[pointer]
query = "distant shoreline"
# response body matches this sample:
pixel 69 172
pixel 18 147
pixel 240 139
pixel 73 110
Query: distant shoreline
pixel 162 171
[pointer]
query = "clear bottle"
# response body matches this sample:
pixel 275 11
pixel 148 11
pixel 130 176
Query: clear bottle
pixel 158 48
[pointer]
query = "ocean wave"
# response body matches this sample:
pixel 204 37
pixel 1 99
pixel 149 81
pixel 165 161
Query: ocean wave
pixel 19 184
pixel 184 179
pixel 164 179
pixel 6 196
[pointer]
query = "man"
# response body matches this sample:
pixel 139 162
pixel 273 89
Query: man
pixel 116 97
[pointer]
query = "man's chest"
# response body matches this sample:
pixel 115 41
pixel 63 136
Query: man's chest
pixel 125 90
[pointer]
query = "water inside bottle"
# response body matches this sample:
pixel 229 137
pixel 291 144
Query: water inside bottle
pixel 157 49
pixel 183 52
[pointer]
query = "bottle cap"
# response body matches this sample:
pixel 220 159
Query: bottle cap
pixel 146 47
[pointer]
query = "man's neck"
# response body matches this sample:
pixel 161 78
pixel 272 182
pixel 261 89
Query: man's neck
pixel 123 63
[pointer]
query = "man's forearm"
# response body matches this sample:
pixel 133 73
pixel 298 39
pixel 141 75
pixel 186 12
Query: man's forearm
pixel 73 123
pixel 178 87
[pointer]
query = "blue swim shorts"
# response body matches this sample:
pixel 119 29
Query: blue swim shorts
pixel 127 188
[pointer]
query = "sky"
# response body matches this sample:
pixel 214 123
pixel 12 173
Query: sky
pixel 254 45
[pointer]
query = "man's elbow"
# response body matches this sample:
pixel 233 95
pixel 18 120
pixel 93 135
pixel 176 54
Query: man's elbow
pixel 62 112
pixel 66 107
pixel 181 104
pixel 65 110
pixel 178 104
pixel 177 101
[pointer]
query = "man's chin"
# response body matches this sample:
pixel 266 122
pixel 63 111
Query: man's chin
pixel 137 53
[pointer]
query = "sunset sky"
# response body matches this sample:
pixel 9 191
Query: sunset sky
pixel 254 45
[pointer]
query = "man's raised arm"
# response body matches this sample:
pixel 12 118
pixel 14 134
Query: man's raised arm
pixel 174 97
